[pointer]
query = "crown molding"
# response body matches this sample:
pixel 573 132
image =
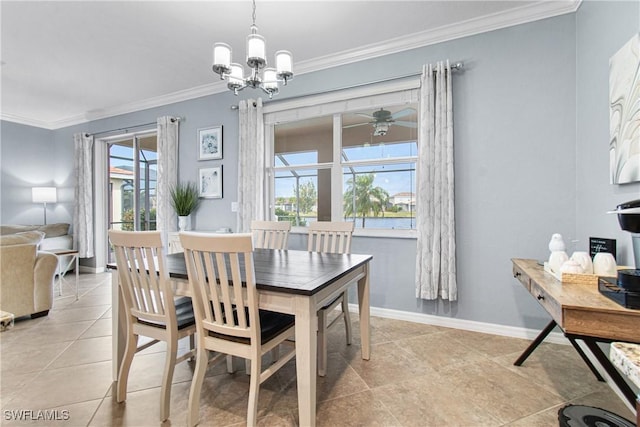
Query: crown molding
pixel 13 118
pixel 516 16
pixel 496 21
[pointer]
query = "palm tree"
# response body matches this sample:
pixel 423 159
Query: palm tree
pixel 363 198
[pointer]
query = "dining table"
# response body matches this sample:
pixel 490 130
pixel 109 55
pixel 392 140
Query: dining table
pixel 288 281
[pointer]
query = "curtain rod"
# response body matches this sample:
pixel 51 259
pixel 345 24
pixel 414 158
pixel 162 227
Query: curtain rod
pixel 454 67
pixel 126 129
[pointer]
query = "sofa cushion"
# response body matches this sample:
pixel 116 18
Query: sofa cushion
pixel 27 237
pixel 50 230
pixel 61 242
pixel 54 230
pixel 13 229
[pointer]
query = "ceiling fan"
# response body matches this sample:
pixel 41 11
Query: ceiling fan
pixel 382 119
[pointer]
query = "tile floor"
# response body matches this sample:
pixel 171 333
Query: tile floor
pixel 419 375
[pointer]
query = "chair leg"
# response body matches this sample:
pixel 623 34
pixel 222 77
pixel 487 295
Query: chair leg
pixel 322 343
pixel 275 354
pixel 123 374
pixel 193 409
pixel 192 346
pixel 254 389
pixel 247 366
pixel 167 378
pixel 347 317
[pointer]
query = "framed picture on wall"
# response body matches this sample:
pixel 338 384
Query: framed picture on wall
pixel 210 183
pixel 210 143
pixel 624 109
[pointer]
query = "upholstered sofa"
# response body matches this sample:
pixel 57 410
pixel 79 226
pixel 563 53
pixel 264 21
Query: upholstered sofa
pixel 26 275
pixel 56 236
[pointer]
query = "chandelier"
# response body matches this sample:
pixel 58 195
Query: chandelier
pixel 268 80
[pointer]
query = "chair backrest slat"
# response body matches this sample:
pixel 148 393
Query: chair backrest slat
pixel 144 281
pixel 270 234
pixel 223 287
pixel 330 237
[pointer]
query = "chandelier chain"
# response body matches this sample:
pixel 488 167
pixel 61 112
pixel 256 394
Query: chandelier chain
pixel 254 13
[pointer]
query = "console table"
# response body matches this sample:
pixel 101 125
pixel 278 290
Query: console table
pixel 583 314
pixel 173 239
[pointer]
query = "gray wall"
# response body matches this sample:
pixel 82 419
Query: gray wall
pixel 25 156
pixel 518 169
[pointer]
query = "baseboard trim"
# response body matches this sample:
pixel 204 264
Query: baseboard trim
pixel 468 325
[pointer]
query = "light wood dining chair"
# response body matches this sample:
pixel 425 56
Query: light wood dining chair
pixel 228 321
pixel 151 308
pixel 270 234
pixel 330 237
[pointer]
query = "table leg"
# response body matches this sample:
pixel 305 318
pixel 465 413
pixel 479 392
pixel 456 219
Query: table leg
pixel 585 358
pixel 306 358
pixel 77 274
pixel 59 277
pixel 541 336
pixel 364 307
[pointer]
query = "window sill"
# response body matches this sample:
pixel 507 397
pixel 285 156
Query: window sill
pixel 372 233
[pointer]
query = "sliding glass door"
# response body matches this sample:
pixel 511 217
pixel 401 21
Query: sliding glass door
pixel 132 176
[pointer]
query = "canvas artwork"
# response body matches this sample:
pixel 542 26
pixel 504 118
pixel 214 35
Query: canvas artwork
pixel 624 118
pixel 210 183
pixel 210 143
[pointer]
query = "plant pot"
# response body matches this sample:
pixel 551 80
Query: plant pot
pixel 184 223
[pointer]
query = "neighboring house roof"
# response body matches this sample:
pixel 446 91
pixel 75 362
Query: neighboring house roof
pixel 404 194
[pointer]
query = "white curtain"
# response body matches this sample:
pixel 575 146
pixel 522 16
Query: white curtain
pixel 83 195
pixel 436 246
pixel 167 176
pixel 251 159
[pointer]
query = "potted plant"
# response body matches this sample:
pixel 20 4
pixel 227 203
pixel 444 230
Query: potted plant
pixel 185 200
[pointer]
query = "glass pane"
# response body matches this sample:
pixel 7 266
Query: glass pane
pixel 121 186
pixel 304 142
pixel 388 132
pixel 303 196
pixel 381 196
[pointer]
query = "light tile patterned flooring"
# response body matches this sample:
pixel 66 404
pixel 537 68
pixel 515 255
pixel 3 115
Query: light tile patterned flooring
pixel 418 375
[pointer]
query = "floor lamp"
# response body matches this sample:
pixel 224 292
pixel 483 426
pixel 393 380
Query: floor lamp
pixel 44 195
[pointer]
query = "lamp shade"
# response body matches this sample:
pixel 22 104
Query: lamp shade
pixel 44 195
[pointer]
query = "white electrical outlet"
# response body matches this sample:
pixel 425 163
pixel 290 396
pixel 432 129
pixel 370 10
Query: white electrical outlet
pixel 234 206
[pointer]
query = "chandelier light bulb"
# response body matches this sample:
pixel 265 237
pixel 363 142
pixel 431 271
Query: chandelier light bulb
pixel 270 82
pixel 284 65
pixel 221 58
pixel 235 79
pixel 256 50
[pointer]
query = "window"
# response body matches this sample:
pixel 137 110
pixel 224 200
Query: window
pixel 356 164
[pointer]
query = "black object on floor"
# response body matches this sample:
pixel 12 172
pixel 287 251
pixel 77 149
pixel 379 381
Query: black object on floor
pixel 588 416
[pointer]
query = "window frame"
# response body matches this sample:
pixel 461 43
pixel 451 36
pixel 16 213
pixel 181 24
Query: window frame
pixel 336 103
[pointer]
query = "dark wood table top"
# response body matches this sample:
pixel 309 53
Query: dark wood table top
pixel 295 272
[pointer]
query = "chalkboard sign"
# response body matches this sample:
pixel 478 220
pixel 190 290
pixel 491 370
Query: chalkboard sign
pixel 598 244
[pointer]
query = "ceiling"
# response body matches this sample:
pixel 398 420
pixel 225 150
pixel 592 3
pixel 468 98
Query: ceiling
pixel 64 63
